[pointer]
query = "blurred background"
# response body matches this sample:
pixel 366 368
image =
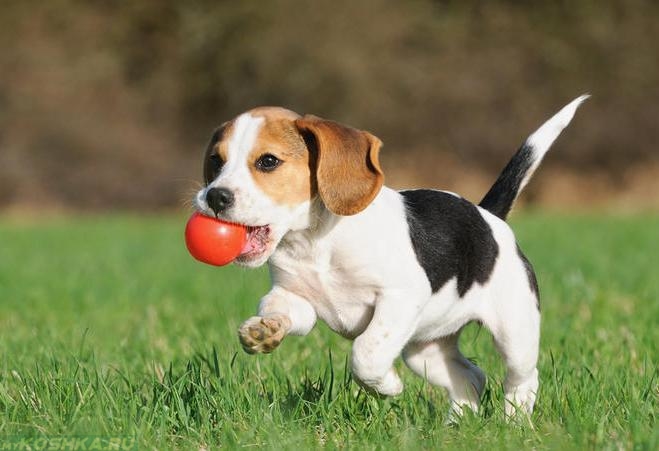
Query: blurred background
pixel 108 105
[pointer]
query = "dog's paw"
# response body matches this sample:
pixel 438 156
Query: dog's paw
pixel 389 385
pixel 263 334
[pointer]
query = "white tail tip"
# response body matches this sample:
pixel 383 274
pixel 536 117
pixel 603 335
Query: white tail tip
pixel 543 137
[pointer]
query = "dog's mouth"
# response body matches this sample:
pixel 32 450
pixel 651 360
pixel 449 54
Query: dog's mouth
pixel 258 239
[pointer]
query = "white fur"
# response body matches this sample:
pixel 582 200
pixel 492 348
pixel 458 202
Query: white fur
pixel 361 276
pixel 542 139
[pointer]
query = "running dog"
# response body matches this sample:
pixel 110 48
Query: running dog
pixel 397 272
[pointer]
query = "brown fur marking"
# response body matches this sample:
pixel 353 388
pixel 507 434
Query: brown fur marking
pixel 343 168
pixel 293 182
pixel 348 169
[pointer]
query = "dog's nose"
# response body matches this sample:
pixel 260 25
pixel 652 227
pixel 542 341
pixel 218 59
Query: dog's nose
pixel 219 199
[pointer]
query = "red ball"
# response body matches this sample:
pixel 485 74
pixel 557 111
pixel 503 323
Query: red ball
pixel 212 241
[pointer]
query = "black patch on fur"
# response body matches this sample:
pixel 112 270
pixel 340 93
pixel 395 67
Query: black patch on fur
pixel 499 199
pixel 530 274
pixel 210 171
pixel 450 239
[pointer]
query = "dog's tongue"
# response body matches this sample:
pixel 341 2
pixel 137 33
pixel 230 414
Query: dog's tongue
pixel 256 240
pixel 249 247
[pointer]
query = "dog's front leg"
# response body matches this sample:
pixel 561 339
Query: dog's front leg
pixel 280 313
pixel 374 351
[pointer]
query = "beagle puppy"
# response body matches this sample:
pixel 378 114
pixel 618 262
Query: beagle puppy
pixel 397 272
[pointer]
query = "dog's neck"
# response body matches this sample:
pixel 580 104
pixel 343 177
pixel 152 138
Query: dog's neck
pixel 320 223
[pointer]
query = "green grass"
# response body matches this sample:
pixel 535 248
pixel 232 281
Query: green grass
pixel 107 326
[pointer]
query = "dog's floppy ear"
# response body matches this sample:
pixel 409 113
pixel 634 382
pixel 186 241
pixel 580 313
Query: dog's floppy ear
pixel 348 172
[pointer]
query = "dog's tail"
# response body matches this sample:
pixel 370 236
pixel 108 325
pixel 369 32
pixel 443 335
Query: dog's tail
pixel 514 177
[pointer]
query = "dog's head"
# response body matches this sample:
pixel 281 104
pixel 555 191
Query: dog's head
pixel 268 167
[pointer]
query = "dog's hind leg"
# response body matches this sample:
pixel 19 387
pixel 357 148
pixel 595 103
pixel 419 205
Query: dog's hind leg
pixel 441 363
pixel 516 334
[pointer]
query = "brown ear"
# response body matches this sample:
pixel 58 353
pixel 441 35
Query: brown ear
pixel 348 171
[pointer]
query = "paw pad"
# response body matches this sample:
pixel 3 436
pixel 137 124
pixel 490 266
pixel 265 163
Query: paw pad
pixel 261 334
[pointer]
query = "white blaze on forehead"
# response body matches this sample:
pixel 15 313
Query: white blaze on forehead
pixel 245 131
pixel 235 173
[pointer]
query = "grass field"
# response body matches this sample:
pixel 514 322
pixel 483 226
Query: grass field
pixel 108 327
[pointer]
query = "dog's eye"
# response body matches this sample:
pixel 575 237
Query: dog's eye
pixel 215 162
pixel 267 163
